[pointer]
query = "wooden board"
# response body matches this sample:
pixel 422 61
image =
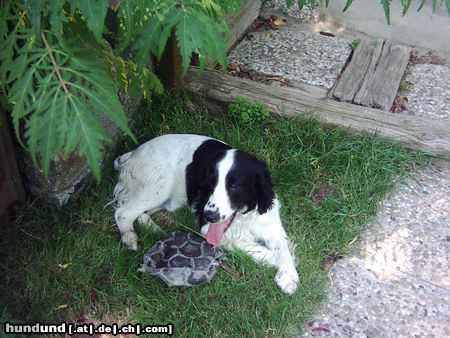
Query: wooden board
pixel 218 90
pixel 243 21
pixel 373 75
pixel 353 75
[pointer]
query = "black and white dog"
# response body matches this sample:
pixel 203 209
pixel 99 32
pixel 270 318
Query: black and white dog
pixel 229 191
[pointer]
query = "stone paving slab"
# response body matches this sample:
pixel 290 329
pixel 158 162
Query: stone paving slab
pixel 296 55
pixel 397 283
pixel 429 93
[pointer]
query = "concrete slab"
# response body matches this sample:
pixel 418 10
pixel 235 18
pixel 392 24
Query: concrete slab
pixel 428 91
pixel 424 28
pixel 294 54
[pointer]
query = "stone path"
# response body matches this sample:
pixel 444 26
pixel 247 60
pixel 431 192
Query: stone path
pixel 396 282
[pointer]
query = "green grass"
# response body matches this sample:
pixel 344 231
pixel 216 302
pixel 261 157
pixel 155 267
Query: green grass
pixel 328 181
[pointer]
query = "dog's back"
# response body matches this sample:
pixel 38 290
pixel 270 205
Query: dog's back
pixel 157 166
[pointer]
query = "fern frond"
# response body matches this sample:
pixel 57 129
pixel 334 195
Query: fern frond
pixel 59 95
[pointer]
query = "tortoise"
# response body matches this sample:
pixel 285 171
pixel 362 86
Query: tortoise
pixel 182 259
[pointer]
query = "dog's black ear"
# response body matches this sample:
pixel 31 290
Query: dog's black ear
pixel 264 194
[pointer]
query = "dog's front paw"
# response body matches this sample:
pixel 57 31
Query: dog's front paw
pixel 130 239
pixel 287 280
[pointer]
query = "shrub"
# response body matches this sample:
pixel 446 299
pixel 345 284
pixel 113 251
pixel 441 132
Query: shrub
pixel 246 112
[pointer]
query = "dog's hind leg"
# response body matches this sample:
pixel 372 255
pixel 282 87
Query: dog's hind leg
pixel 146 219
pixel 125 216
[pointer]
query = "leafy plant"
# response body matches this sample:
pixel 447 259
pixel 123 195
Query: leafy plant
pixel 60 76
pixel 246 112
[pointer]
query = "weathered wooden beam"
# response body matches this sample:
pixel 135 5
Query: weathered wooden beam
pixel 218 89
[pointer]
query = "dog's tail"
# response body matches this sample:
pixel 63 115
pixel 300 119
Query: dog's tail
pixel 119 194
pixel 121 161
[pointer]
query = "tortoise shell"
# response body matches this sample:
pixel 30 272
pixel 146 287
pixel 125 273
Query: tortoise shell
pixel 182 259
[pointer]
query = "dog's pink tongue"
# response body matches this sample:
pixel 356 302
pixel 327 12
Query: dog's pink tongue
pixel 215 232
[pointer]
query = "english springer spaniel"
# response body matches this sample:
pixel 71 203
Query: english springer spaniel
pixel 229 191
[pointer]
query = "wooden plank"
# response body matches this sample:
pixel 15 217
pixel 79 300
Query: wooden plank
pixel 373 75
pixel 383 77
pixel 219 90
pixel 12 192
pixel 241 23
pixel 354 73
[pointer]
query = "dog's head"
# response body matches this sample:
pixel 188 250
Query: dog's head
pixel 236 183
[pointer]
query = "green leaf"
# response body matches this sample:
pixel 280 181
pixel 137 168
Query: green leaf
pixel 405 5
pixel 20 99
pixel 196 32
pixel 184 39
pixel 87 132
pixel 387 10
pixel 95 11
pixel 447 3
pixel 173 16
pixel 57 16
pixel 423 2
pixel 101 91
pixel 147 42
pixel 126 17
pixel 36 8
pixel 347 5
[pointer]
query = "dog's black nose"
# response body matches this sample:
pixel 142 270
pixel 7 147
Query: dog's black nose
pixel 211 216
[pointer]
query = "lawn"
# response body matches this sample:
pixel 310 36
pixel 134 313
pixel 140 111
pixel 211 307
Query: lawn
pixel 68 265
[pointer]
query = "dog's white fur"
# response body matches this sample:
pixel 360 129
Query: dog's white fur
pixel 153 178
